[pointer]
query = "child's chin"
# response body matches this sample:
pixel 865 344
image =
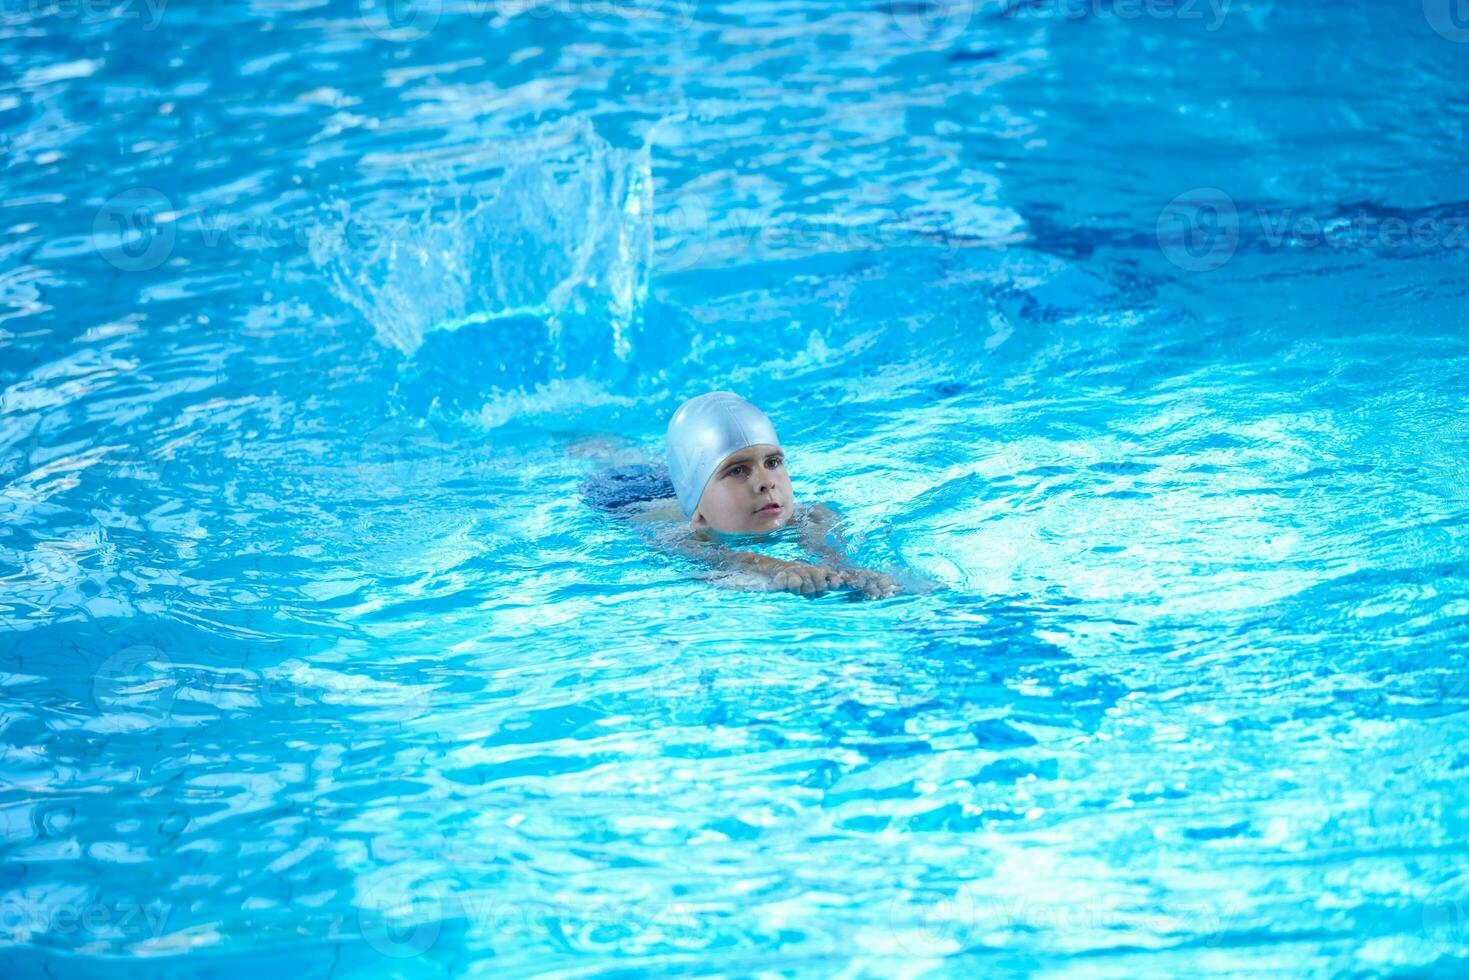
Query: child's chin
pixel 760 525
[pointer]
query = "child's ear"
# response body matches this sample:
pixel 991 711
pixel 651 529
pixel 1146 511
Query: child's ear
pixel 698 519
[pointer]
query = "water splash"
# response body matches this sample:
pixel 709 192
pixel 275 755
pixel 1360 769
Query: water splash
pixel 559 223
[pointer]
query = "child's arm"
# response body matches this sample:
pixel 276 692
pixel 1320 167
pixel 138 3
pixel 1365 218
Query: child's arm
pixel 769 573
pixel 821 535
pixel 762 571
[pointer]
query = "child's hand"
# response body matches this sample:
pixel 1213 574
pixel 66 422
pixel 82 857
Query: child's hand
pixel 875 585
pixel 806 579
pixel 799 577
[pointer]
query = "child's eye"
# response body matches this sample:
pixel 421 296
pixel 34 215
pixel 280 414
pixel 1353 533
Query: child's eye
pixel 774 462
pixel 736 470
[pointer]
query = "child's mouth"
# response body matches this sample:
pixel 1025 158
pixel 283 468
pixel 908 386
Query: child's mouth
pixel 769 508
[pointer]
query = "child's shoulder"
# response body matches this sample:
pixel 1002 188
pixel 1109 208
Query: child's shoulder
pixel 648 511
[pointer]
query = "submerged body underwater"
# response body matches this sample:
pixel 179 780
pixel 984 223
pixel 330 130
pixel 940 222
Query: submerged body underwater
pixel 1138 341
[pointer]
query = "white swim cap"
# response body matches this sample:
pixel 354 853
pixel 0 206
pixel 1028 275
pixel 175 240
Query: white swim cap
pixel 702 434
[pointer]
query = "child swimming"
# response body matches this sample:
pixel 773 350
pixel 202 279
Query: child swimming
pixel 726 479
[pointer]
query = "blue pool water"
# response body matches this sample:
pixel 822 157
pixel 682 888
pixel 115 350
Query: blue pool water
pixel 1132 337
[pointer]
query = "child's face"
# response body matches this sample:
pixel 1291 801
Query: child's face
pixel 750 493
